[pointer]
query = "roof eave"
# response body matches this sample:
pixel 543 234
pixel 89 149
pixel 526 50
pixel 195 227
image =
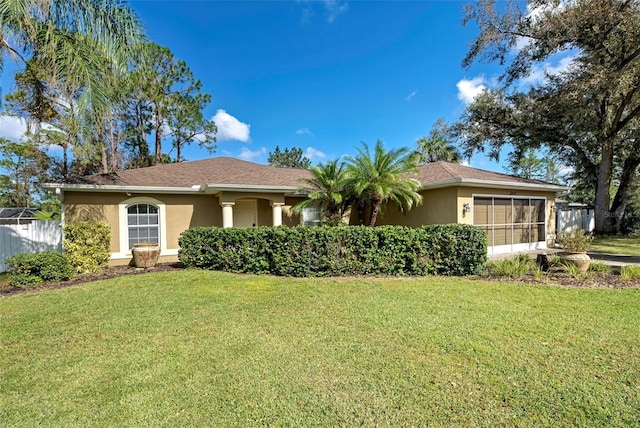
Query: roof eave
pixel 494 184
pixel 108 188
pixel 245 188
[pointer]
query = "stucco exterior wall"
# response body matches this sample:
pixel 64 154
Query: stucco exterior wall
pixel 288 217
pixel 182 212
pixel 101 207
pixel 465 195
pixel 438 207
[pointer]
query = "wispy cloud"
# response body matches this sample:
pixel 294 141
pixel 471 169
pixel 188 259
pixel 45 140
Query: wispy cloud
pixel 410 96
pixel 312 153
pixel 250 155
pixel 230 128
pixel 304 131
pixel 332 10
pixel 469 89
pixel 335 8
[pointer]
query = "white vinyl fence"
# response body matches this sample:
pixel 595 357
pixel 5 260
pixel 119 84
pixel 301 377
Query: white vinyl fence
pixel 31 237
pixel 575 219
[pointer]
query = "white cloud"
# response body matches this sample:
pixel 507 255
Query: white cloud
pixel 411 95
pixel 469 89
pixel 303 131
pixel 334 8
pixel 12 128
pixel 539 72
pixel 312 153
pixel 230 128
pixel 249 155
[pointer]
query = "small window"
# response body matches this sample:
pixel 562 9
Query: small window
pixel 143 224
pixel 311 216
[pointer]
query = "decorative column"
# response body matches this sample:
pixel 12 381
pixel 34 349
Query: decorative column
pixel 227 214
pixel 277 213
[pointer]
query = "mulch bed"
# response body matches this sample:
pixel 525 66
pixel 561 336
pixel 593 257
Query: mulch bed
pixel 554 278
pixel 561 279
pixel 111 272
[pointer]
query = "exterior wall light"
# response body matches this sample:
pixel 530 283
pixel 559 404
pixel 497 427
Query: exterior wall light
pixel 466 207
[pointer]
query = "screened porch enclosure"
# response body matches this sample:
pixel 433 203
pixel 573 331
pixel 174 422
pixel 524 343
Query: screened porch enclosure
pixel 511 223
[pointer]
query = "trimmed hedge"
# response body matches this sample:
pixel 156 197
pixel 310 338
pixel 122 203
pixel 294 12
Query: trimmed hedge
pixel 87 245
pixel 34 268
pixel 335 251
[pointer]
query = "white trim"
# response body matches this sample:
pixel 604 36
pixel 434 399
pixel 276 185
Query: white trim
pixel 123 233
pixel 124 189
pixel 472 182
pixel 512 248
pixel 213 188
pixel 120 256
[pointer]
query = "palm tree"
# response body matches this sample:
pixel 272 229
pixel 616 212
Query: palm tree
pixel 327 190
pixel 378 177
pixel 436 148
pixel 72 39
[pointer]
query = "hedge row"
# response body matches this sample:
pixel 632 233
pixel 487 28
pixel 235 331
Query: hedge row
pixel 334 251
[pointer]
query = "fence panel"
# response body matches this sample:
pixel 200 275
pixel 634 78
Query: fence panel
pixel 31 237
pixel 575 219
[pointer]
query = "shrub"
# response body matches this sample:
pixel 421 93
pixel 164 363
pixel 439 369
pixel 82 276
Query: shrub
pixel 513 267
pixel 575 241
pixel 324 251
pixel 599 268
pixel 87 245
pixel 35 268
pixel 629 272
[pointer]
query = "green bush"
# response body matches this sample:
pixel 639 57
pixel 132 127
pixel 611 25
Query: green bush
pixel 334 251
pixel 512 267
pixel 87 245
pixel 32 269
pixel 630 272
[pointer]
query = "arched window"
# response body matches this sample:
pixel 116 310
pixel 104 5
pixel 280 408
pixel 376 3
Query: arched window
pixel 143 224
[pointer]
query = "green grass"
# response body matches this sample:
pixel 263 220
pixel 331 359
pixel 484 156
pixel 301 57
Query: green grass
pixel 616 245
pixel 197 348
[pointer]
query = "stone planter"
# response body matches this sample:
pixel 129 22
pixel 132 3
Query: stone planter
pixel 145 256
pixel 580 260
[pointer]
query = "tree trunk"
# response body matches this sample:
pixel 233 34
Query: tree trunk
pixel 375 209
pixel 158 157
pixel 619 205
pixel 604 225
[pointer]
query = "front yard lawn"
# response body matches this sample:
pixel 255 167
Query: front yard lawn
pixel 616 245
pixel 200 348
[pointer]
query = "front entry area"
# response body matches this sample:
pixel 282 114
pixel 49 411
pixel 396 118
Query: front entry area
pixel 512 223
pixel 245 213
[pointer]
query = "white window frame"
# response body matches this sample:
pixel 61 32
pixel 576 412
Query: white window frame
pixel 511 248
pixel 123 225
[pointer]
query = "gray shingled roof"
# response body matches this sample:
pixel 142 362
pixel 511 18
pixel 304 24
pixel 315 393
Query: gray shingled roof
pixel 225 171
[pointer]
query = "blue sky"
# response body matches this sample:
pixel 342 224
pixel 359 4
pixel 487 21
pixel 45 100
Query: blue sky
pixel 323 75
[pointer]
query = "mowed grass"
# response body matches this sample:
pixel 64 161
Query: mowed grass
pixel 198 348
pixel 616 245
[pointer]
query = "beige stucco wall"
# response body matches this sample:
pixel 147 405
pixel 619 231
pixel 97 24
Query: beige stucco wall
pixel 446 205
pixel 465 195
pixel 182 212
pixel 438 207
pixel 288 217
